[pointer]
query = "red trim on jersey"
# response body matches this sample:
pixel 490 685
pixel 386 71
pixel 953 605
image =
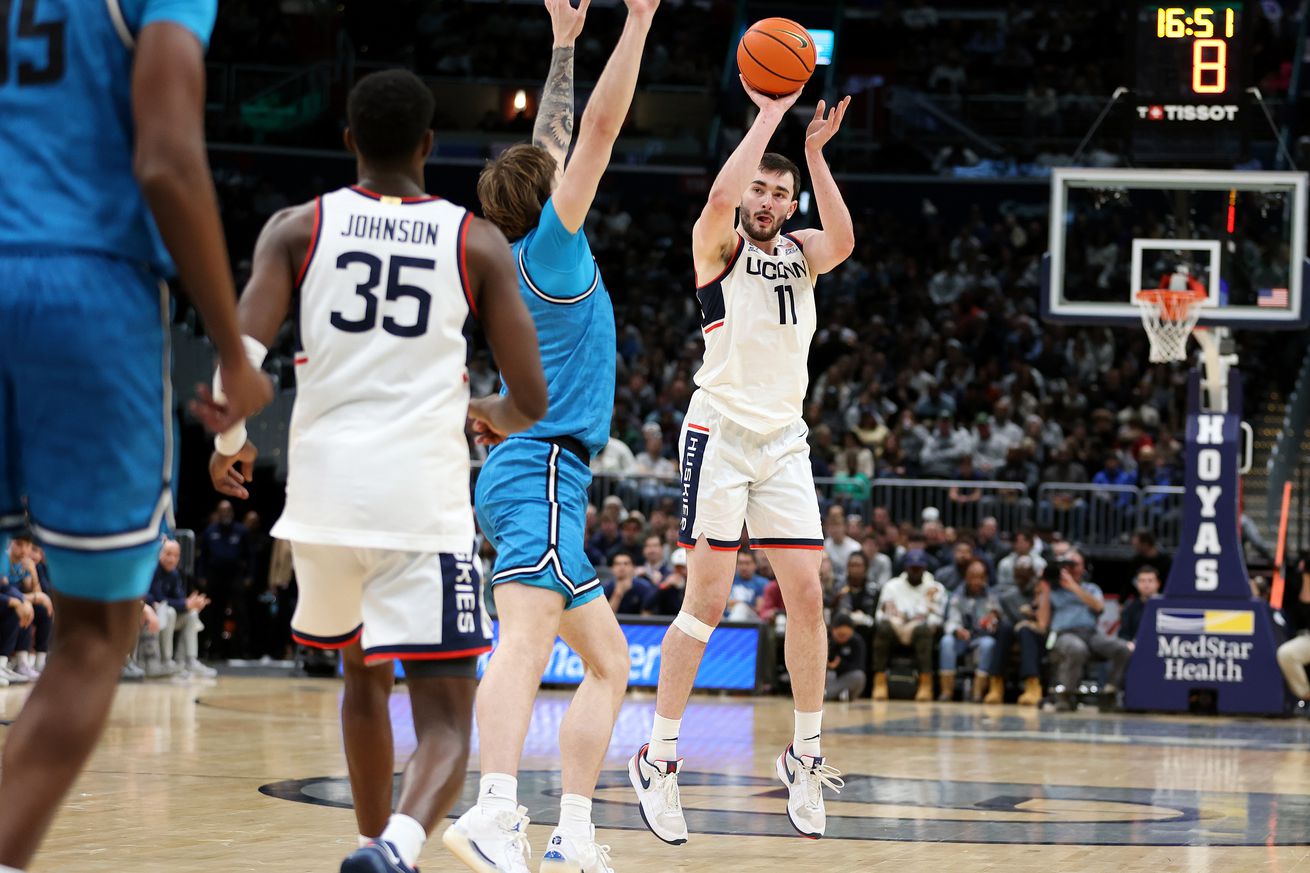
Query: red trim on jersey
pixel 698 427
pixel 741 244
pixel 463 262
pixel 302 359
pixel 800 245
pixel 313 241
pixel 713 327
pixel 425 656
pixel 767 545
pixel 373 195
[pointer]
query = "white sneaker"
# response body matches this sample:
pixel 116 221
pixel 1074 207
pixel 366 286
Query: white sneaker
pixel 199 670
pixel 567 855
pixel 28 671
pixel 14 677
pixel 490 844
pixel 656 784
pixel 805 777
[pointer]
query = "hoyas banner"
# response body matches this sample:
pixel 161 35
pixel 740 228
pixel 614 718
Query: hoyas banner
pixel 1208 633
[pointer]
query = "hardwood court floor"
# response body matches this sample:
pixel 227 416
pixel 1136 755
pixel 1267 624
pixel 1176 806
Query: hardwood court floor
pixel 247 774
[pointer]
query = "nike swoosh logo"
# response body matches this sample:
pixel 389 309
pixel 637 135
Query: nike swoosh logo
pixel 645 783
pixel 805 43
pixel 791 774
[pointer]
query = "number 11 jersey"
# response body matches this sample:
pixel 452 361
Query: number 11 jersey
pixel 377 455
pixel 758 318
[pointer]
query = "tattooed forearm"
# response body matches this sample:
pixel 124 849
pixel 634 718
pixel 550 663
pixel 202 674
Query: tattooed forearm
pixel 554 128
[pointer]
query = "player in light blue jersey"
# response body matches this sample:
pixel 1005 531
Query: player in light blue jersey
pixel 531 496
pixel 102 141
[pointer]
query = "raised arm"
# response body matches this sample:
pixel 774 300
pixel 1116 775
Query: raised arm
pixel 168 110
pixel 603 119
pixel 826 249
pixel 553 130
pixel 713 239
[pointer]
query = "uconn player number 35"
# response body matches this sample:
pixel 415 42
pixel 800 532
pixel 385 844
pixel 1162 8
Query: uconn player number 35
pixel 396 290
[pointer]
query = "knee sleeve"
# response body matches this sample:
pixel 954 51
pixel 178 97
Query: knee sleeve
pixel 693 627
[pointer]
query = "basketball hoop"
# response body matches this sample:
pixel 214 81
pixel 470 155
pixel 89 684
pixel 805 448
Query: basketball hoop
pixel 1169 317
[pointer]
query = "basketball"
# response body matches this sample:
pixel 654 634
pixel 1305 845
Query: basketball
pixel 776 56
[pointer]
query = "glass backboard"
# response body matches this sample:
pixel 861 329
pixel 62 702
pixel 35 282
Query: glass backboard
pixel 1239 237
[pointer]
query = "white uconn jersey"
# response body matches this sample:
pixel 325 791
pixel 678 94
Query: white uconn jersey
pixel 377 454
pixel 758 319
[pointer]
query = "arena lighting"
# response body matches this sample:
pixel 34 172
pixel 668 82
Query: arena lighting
pixel 520 100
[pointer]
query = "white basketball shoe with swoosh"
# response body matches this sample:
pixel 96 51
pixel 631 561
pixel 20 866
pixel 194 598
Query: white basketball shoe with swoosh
pixel 805 778
pixel 656 784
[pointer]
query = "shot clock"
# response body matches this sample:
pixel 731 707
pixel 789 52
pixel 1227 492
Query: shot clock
pixel 1190 83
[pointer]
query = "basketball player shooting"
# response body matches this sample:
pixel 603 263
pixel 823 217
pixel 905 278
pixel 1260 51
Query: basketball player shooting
pixel 378 512
pixel 744 455
pixel 532 493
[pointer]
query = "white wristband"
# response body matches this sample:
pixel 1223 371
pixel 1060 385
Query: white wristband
pixel 230 441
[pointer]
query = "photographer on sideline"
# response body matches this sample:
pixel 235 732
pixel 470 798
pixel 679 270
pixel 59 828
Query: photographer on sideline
pixel 1067 608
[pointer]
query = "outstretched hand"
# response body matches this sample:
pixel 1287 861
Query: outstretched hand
pixel 566 21
pixel 825 124
pixel 765 101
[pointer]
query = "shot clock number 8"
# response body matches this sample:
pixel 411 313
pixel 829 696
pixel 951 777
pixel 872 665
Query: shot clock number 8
pixel 1173 22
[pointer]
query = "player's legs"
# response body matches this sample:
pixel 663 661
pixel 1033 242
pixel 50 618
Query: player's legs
pixel 47 746
pixel 592 631
pixel 783 519
pixel 806 644
pixel 529 621
pixel 329 615
pixel 366 735
pixel 84 361
pixel 717 465
pixel 709 580
pixel 441 694
pixel 425 609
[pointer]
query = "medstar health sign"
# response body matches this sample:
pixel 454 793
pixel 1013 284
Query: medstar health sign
pixel 1208 633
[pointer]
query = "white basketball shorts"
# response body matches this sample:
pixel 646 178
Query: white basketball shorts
pixel 730 475
pixel 404 605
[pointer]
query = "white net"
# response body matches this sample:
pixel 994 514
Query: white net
pixel 1169 318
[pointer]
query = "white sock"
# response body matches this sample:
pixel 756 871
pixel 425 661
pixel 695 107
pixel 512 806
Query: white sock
pixel 575 816
pixel 407 835
pixel 4 665
pixel 363 841
pixel 664 739
pixel 498 792
pixel 806 739
pixel 40 665
pixel 24 659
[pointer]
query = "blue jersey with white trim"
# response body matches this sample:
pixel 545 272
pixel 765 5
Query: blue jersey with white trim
pixel 67 136
pixel 571 308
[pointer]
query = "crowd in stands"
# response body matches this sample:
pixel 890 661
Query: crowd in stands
pixel 961 614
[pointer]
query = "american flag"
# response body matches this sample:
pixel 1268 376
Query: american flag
pixel 1276 297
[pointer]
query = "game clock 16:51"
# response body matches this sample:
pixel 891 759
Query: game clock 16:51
pixel 1190 50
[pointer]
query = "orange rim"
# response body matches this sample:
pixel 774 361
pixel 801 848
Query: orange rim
pixel 1173 305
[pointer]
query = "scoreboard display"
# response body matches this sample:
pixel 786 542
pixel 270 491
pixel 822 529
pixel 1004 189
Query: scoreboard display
pixel 1190 83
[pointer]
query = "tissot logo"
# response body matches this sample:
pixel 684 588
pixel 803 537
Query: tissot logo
pixel 1187 112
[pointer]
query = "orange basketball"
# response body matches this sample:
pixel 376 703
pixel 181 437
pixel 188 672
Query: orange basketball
pixel 776 56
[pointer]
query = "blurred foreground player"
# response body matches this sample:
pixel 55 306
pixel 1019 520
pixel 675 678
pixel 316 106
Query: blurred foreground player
pixel 102 141
pixel 744 455
pixel 532 493
pixel 383 278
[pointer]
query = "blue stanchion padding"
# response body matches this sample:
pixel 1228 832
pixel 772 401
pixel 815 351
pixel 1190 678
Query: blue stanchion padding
pixel 1208 633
